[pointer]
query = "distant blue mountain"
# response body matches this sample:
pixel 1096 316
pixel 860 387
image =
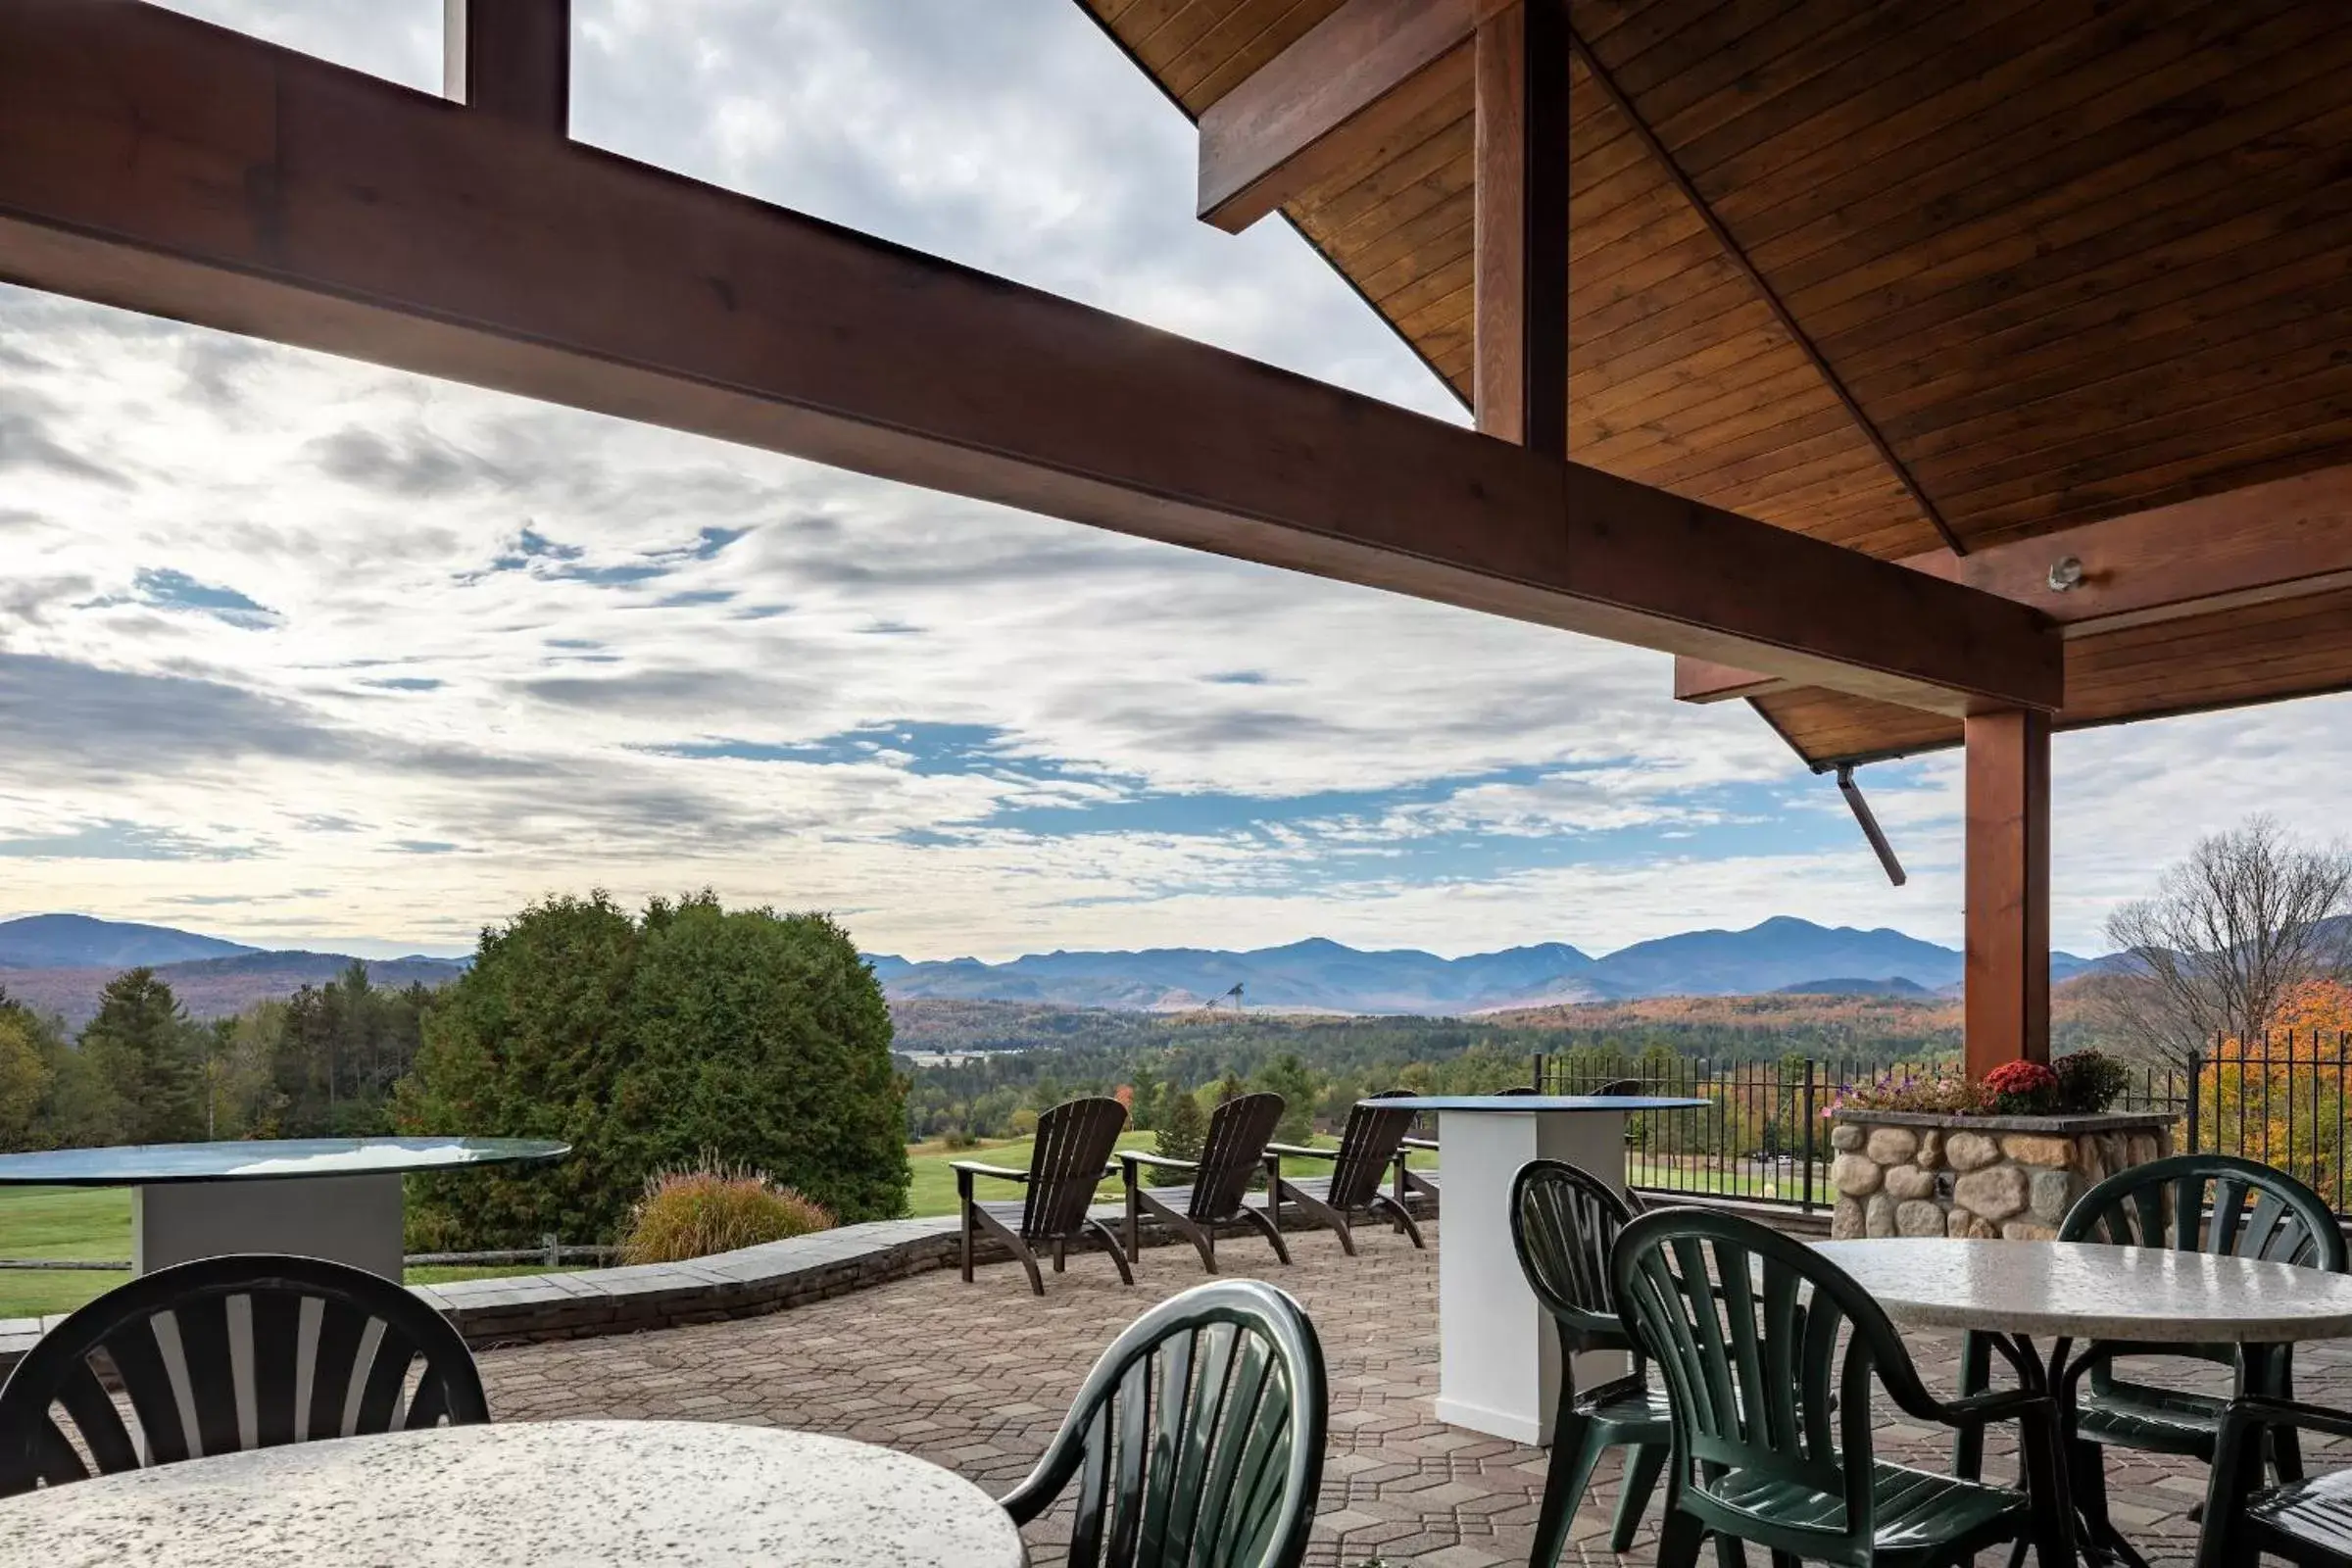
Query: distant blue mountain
pixel 78 942
pixel 1319 975
pixel 1851 986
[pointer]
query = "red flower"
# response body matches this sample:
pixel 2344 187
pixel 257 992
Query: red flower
pixel 2021 1078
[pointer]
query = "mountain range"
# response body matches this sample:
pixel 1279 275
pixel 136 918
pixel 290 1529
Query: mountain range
pixel 60 961
pixel 1783 954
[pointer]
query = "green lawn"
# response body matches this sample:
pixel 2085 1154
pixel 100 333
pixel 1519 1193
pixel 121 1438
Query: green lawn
pixel 95 1222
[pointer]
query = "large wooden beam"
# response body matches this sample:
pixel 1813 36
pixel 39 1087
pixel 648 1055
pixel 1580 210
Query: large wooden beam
pixel 1520 289
pixel 510 58
pixel 2005 983
pixel 1318 107
pixel 160 163
pixel 2284 539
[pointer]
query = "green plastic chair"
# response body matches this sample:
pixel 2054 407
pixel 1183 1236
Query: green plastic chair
pixel 2305 1521
pixel 1565 1225
pixel 1768 1353
pixel 2245 1210
pixel 1197 1440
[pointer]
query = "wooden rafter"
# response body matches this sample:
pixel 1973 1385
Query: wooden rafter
pixel 163 164
pixel 1521 222
pixel 2287 539
pixel 510 58
pixel 1737 255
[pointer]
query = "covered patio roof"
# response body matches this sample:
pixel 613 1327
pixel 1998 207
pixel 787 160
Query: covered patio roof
pixel 1979 288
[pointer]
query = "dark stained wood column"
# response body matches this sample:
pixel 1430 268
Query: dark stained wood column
pixel 2007 980
pixel 511 59
pixel 1521 328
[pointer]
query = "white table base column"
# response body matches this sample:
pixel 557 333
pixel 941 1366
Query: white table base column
pixel 350 1219
pixel 1499 1367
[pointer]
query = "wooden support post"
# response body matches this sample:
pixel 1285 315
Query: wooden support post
pixel 2007 980
pixel 1521 226
pixel 511 59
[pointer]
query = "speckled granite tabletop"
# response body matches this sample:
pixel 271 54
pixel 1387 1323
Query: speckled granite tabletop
pixel 533 1495
pixel 2089 1291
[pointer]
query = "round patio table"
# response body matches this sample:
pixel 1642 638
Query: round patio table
pixel 331 1197
pixel 2064 1292
pixel 533 1494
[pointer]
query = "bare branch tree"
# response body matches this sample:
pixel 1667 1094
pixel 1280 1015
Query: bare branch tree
pixel 2248 917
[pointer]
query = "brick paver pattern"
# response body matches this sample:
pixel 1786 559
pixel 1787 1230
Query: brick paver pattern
pixel 977 1377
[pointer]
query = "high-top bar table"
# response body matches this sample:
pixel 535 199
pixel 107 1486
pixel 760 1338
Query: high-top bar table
pixel 331 1197
pixel 1499 1357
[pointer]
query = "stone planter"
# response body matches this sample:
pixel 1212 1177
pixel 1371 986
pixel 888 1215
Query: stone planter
pixel 1916 1173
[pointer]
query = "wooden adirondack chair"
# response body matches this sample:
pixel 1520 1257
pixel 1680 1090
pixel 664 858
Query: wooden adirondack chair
pixel 1233 1151
pixel 1371 1147
pixel 1071 1157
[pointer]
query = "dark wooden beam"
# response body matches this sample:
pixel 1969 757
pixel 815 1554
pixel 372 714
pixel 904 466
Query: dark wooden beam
pixel 1520 327
pixel 159 163
pixel 1316 108
pixel 2006 980
pixel 1737 253
pixel 510 58
pixel 2284 539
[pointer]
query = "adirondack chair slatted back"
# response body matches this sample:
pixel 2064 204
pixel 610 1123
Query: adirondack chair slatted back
pixel 1197 1441
pixel 228 1354
pixel 1075 1141
pixel 1753 1334
pixel 1233 1152
pixel 1564 1227
pixel 2208 1203
pixel 1367 1150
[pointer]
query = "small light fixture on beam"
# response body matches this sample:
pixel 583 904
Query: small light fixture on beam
pixel 1870 824
pixel 2066 575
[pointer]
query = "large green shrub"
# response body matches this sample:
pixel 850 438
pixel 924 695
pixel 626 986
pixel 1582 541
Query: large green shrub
pixel 746 1038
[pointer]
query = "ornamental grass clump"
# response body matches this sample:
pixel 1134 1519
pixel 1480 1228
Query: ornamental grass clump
pixel 714 1208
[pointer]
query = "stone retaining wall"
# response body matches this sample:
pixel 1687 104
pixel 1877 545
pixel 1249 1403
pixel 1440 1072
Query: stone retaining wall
pixel 1906 1173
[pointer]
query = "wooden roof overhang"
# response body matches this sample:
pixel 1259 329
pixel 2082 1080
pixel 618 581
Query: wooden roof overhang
pixel 1984 288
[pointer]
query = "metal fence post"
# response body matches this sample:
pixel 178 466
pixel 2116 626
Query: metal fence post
pixel 2196 1085
pixel 1535 1072
pixel 1806 1151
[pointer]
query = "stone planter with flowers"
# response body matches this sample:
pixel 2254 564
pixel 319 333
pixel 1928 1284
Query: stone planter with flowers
pixel 2006 1156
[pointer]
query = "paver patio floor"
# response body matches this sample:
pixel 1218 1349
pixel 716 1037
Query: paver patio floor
pixel 977 1377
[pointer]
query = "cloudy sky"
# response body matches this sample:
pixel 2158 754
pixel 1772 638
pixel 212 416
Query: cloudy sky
pixel 299 650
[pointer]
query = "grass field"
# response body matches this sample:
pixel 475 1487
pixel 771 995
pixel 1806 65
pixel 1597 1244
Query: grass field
pixel 94 1222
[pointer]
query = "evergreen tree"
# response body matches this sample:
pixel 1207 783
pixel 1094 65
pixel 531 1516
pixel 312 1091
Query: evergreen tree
pixel 1182 1131
pixel 145 1053
pixel 1295 1082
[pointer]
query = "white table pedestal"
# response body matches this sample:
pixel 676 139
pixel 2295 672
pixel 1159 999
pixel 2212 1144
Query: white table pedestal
pixel 1499 1353
pixel 349 1219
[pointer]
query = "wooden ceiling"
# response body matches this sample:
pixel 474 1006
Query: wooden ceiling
pixel 2069 258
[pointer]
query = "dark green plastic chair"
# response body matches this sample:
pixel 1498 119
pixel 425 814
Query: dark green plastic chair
pixel 1565 1225
pixel 1768 1353
pixel 2241 1209
pixel 2305 1521
pixel 1197 1438
pixel 59 1422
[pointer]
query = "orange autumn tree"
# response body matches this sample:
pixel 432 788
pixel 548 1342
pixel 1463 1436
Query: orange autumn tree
pixel 2281 1098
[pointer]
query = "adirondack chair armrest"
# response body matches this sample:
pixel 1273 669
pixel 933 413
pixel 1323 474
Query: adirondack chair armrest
pixel 974 1167
pixel 1301 1151
pixel 1132 1158
pixel 1430 1143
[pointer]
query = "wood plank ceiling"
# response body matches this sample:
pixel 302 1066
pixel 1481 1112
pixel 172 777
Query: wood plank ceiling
pixel 2070 257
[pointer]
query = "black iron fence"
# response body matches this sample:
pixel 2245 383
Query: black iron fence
pixel 1763 1136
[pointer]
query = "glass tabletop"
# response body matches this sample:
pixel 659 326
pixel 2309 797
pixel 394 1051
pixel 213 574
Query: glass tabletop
pixel 154 1164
